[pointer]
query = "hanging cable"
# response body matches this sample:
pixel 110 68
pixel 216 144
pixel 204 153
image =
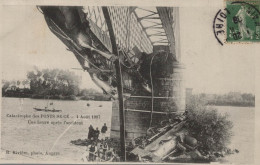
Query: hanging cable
pixel 151 78
pixel 68 38
pixel 102 70
pixel 122 92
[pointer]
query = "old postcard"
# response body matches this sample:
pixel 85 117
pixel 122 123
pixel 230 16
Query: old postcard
pixel 136 82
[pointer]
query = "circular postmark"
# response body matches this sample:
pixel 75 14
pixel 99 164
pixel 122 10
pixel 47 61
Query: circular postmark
pixel 219 25
pixel 238 22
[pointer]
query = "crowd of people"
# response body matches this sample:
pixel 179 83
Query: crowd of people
pixel 99 150
pixel 93 134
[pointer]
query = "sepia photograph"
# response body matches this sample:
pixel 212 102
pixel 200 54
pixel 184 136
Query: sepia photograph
pixel 136 84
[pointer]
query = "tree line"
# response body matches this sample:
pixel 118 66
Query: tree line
pixel 50 83
pixel 229 99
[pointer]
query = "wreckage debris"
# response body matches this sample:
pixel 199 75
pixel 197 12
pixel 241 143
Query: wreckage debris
pixel 168 142
pixel 172 143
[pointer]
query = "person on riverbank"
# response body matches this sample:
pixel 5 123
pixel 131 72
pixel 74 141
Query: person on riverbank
pixel 103 131
pixel 91 132
pixel 92 152
pixel 105 147
pixel 101 153
pixel 96 134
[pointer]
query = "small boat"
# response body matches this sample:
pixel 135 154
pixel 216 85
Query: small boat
pixel 47 110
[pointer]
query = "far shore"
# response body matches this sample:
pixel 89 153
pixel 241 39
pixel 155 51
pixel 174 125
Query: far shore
pixel 230 105
pixel 70 98
pixel 90 98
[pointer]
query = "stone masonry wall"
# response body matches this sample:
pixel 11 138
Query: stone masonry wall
pixel 169 97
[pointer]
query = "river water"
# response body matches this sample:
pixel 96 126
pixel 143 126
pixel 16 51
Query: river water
pixel 24 133
pixel 243 119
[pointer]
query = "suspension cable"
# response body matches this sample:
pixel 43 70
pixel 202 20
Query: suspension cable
pixel 151 78
pixel 68 38
pixel 123 104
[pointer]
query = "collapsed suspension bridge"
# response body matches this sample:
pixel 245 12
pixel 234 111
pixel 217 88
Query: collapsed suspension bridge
pixel 132 54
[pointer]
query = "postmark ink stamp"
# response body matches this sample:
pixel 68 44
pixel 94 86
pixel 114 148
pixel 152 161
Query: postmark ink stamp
pixel 219 25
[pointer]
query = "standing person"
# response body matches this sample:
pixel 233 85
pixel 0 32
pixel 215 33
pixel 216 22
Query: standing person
pixel 105 148
pixel 92 152
pixel 100 152
pixel 97 132
pixel 103 131
pixel 90 132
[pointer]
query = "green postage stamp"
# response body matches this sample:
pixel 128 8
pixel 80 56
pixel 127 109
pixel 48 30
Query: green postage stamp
pixel 243 21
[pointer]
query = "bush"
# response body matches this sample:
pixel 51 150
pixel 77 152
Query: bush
pixel 210 128
pixel 70 97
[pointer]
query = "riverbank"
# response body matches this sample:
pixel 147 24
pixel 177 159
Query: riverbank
pixel 94 97
pixel 236 99
pixel 232 105
pixel 100 97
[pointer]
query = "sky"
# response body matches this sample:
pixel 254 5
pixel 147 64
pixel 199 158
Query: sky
pixel 26 42
pixel 210 67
